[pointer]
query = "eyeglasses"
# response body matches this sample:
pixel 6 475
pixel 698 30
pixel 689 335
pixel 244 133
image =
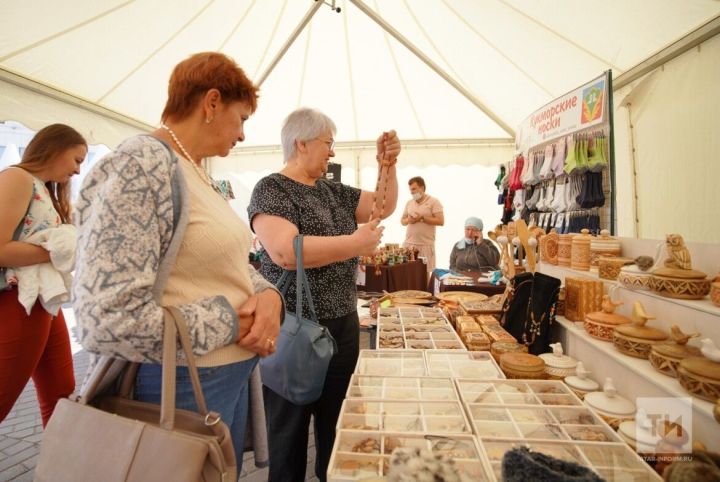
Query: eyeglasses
pixel 330 143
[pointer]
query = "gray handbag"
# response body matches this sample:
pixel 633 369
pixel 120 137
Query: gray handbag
pixel 297 369
pixel 115 439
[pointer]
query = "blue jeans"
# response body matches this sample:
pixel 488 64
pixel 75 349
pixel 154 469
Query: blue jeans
pixel 225 388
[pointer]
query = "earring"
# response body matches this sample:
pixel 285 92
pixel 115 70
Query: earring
pixel 208 120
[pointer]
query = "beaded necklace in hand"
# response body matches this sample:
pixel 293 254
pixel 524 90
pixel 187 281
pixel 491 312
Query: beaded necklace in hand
pixel 201 171
pixel 382 177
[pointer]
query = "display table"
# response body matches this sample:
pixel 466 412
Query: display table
pixel 435 286
pixel 405 276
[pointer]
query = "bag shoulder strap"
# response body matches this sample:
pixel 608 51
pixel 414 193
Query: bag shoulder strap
pixel 301 281
pixel 175 326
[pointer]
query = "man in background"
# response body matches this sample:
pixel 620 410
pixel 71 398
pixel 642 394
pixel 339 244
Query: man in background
pixel 422 214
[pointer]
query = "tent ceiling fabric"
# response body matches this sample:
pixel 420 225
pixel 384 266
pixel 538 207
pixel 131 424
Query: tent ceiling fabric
pixel 512 55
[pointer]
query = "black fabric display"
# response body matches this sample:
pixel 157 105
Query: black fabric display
pixel 522 465
pixel 529 310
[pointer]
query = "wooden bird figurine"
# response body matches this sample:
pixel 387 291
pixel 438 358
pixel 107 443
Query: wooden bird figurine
pixel 608 305
pixel 680 337
pixel 678 254
pixel 639 316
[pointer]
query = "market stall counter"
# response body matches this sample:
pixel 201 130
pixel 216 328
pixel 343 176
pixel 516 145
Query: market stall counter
pixel 397 277
pixel 436 285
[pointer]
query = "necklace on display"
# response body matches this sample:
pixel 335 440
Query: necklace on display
pixel 201 171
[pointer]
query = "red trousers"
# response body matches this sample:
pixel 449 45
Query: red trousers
pixel 36 346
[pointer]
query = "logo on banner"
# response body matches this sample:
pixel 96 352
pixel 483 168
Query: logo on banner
pixel 663 426
pixel 593 100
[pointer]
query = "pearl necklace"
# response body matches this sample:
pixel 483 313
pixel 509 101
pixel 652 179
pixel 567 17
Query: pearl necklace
pixel 201 171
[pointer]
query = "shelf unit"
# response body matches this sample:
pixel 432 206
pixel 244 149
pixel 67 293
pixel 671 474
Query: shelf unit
pixel 635 377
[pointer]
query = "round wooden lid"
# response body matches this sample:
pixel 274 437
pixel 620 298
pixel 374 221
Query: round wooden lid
pixel 671 349
pixel 641 332
pixel 702 366
pixel 679 273
pixel 607 318
pixel 522 362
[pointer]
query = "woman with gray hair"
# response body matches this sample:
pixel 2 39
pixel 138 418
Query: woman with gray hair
pixel 298 200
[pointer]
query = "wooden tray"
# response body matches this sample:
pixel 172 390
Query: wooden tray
pixel 406 294
pixel 459 296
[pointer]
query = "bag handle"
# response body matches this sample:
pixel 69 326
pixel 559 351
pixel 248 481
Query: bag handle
pixel 175 326
pixel 301 281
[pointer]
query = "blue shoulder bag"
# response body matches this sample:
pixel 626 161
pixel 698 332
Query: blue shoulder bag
pixel 297 369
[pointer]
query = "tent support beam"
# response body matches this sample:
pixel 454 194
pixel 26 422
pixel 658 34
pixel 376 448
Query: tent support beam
pixel 438 70
pixel 691 40
pixel 57 94
pixel 288 43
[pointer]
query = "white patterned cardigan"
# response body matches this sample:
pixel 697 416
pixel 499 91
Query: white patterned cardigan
pixel 131 217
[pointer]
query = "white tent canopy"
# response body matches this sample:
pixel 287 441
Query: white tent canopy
pixel 510 56
pixel 453 77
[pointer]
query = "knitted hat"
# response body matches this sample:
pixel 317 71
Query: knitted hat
pixel 520 465
pixel 474 222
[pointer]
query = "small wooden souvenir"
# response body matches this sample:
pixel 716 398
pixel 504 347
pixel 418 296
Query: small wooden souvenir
pixel 557 364
pixel 549 247
pixel 677 279
pixel 580 251
pixel 477 341
pixel 497 333
pixel 632 277
pixel 603 246
pixel 609 268
pixel 601 324
pixel 715 291
pixel 689 284
pixel 611 406
pixel 666 356
pixel 635 339
pixel 522 366
pixel 492 305
pixel 486 320
pixel 560 306
pixel 582 296
pixel 564 254
pixel 701 377
pixel 581 384
pixel 499 348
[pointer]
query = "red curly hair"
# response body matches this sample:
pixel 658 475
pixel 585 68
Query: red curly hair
pixel 193 77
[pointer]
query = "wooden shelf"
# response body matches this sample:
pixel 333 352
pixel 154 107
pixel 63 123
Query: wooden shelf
pixel 703 305
pixel 635 377
pixel 668 385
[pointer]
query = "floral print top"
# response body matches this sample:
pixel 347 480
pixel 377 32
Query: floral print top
pixel 41 214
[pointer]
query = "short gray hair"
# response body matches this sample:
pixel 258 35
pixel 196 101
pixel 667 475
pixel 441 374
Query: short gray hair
pixel 303 124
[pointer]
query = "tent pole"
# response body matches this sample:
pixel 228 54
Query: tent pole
pixel 288 43
pixel 438 70
pixel 636 214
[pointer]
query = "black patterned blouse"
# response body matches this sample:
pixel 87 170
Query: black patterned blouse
pixel 326 209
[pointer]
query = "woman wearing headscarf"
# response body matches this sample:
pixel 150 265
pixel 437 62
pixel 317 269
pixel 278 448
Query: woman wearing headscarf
pixel 473 253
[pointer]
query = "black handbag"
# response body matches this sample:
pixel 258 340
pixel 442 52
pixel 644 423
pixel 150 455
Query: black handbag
pixel 529 310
